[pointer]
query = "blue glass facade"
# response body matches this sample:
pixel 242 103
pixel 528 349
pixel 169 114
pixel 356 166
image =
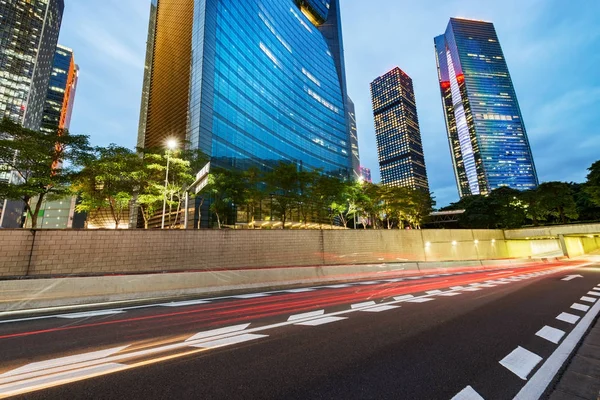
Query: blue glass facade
pixel 265 87
pixel 487 136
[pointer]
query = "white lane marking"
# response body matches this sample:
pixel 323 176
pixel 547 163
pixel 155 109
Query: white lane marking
pixel 475 284
pixel 362 305
pixel 535 388
pixel 321 321
pixel 451 294
pixel 457 287
pixel 432 276
pixel 394 280
pixel 368 283
pixel 566 317
pixel 299 290
pixel 597 294
pixel 500 273
pixel 62 361
pixel 580 307
pixel 588 299
pixel 521 362
pixel 499 282
pixel 63 377
pixel 336 286
pixel 89 314
pixel 434 292
pixel 249 296
pixel 468 393
pixel 228 341
pixel 184 303
pixel 415 277
pixel 487 285
pixel 219 331
pixel 306 315
pixel 571 277
pixel 380 308
pixel 405 297
pixel 551 334
pixel 421 300
pixel 472 289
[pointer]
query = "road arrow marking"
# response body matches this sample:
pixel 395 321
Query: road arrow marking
pixel 571 277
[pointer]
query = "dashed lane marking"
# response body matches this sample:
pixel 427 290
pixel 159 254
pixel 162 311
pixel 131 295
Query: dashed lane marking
pixel 521 362
pixel 217 332
pixel 306 315
pixel 228 341
pixel 580 307
pixel 472 289
pixel 569 318
pixel 380 308
pixel 450 294
pixel 597 294
pixel 362 305
pixel 249 296
pixel 184 303
pixel 588 299
pixel 551 334
pixel 421 300
pixel 405 297
pixel 299 290
pixel 468 393
pixel 321 321
pixel 432 292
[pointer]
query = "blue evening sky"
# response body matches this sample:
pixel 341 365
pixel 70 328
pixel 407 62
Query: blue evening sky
pixel 551 50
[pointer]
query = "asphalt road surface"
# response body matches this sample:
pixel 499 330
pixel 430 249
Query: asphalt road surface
pixel 466 334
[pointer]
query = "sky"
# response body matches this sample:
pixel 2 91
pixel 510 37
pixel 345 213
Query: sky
pixel 552 53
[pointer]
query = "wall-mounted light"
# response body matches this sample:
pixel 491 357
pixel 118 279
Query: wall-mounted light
pixel 454 243
pixel 476 241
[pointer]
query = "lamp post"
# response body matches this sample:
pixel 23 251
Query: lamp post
pixel 171 145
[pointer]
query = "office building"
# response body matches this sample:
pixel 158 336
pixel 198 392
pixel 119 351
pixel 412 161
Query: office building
pixel 251 82
pixel 28 37
pixel 486 132
pixel 399 145
pixel 60 97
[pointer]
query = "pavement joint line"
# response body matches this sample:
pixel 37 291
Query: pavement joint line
pixel 537 384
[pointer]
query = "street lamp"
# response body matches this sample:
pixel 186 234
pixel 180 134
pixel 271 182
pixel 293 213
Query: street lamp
pixel 171 145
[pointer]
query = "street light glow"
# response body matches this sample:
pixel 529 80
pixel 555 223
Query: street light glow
pixel 172 144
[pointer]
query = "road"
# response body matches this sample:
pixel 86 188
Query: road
pixel 466 334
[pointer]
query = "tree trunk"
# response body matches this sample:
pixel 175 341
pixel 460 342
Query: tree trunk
pixel 38 206
pixel 218 220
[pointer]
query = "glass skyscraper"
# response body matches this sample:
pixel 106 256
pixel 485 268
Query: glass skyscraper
pixel 399 144
pixel 487 136
pixel 250 83
pixel 61 90
pixel 28 36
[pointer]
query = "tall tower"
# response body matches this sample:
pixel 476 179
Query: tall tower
pixel 28 39
pixel 487 136
pixel 250 83
pixel 28 36
pixel 401 159
pixel 60 98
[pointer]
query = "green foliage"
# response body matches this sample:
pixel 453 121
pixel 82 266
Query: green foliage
pixel 109 180
pixel 592 186
pixel 42 164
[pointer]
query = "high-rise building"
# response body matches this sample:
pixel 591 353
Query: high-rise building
pixel 28 37
pixel 60 98
pixel 487 136
pixel 401 159
pixel 250 83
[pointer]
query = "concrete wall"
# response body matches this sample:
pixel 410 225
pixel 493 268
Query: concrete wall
pixel 553 231
pixel 578 246
pixel 92 252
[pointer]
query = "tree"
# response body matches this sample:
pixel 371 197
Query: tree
pixel 592 186
pixel 284 183
pixel 557 199
pixel 42 164
pixel 109 181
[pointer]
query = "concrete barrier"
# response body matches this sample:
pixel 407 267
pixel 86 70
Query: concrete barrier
pixel 31 294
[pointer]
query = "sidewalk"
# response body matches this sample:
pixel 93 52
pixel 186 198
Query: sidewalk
pixel 581 379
